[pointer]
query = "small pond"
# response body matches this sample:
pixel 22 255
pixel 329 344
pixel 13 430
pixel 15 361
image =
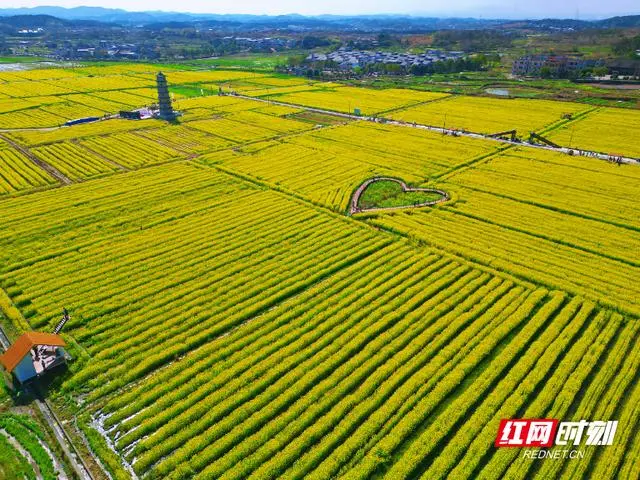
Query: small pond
pixel 501 92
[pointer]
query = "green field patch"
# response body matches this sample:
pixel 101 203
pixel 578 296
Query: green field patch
pixel 319 118
pixel 193 90
pixel 393 194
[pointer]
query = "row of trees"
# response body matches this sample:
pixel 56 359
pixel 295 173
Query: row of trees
pixel 627 46
pixel 467 64
pixel 547 72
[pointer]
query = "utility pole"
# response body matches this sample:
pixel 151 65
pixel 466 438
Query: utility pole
pixel 571 137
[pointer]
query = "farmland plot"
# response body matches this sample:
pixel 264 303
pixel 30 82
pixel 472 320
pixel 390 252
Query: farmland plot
pixel 613 131
pixel 490 115
pixel 570 223
pixel 18 172
pixel 368 101
pixel 228 320
pixel 130 150
pixel 294 342
pixel 73 161
pixel 327 165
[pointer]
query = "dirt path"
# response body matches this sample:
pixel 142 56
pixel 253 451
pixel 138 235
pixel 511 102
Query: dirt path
pixel 75 141
pixel 43 165
pixel 63 439
pixel 405 188
pixel 448 131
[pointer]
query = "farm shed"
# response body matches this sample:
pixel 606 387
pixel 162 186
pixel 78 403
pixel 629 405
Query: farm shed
pixel 33 354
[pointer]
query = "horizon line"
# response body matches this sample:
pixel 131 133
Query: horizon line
pixel 445 16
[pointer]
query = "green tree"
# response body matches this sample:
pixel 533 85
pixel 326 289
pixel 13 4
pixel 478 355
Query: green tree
pixel 545 72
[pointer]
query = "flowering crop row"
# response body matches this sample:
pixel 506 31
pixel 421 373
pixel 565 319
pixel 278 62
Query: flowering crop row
pixel 612 380
pixel 130 150
pixel 18 173
pixel 13 104
pixel 538 260
pixel 229 331
pixel 183 139
pixel 95 102
pixel 29 436
pixel 539 216
pixel 490 115
pixel 72 160
pixel 35 137
pixel 266 394
pixel 29 118
pixel 612 131
pixel 248 347
pixel 26 89
pixel 400 359
pixel 127 98
pixel 101 83
pixel 249 126
pixel 588 188
pixel 605 239
pixel 563 387
pixel 368 101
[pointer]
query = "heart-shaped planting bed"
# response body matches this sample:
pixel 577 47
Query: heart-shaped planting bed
pixel 386 193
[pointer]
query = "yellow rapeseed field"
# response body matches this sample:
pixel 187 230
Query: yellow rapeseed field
pixel 231 319
pixel 367 101
pixel 614 131
pixel 490 115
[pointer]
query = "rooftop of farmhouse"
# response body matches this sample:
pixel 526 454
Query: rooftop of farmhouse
pixel 33 354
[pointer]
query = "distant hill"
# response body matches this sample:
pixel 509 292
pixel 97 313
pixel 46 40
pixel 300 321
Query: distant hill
pixel 33 21
pixel 628 21
pixel 159 19
pixel 100 14
pixel 18 22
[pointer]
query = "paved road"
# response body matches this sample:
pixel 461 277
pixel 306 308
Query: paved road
pixel 444 131
pixel 4 340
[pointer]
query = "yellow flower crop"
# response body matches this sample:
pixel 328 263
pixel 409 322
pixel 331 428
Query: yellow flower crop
pixel 490 115
pixel 230 320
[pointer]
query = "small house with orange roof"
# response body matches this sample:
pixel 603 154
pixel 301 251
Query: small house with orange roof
pixel 33 354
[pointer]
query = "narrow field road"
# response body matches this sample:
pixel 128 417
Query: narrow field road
pixel 63 439
pixel 75 141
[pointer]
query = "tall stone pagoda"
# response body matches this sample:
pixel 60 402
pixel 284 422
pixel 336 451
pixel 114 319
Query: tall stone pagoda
pixel 164 100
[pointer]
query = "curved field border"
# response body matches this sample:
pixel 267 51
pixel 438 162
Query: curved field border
pixel 355 199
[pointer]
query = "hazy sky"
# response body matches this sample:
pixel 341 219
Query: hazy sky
pixel 585 9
